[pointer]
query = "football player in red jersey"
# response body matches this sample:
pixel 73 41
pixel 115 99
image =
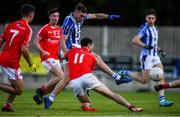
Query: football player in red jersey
pixel 81 63
pixel 16 37
pixel 47 42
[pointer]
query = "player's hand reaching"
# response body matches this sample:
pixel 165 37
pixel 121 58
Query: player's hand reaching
pixel 114 17
pixel 33 67
pixel 162 53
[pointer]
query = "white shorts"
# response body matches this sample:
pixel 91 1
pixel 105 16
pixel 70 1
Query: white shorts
pixel 81 85
pixel 50 62
pixel 12 74
pixel 148 62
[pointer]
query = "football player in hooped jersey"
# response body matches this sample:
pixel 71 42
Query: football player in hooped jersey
pixel 47 42
pixel 81 63
pixel 73 23
pixel 16 36
pixel 147 39
pixel 71 32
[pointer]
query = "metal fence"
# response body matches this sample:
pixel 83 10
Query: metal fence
pixel 116 41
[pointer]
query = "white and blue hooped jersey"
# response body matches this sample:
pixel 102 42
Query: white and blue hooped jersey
pixel 72 28
pixel 149 36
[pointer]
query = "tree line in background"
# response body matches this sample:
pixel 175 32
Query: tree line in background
pixel 132 11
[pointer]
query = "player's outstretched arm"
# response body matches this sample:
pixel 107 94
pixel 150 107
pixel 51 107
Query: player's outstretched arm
pixel 102 16
pixel 102 65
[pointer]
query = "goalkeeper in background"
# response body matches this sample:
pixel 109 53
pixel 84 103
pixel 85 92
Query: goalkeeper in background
pixel 16 36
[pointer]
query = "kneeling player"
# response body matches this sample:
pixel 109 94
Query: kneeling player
pixel 81 63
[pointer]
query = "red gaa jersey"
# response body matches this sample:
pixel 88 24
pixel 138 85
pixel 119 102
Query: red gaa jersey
pixel 80 61
pixel 50 41
pixel 15 35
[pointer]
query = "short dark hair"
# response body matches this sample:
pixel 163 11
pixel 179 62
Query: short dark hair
pixel 86 41
pixel 53 10
pixel 26 9
pixel 151 12
pixel 81 7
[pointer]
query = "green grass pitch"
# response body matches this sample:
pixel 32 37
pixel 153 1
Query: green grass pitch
pixel 67 105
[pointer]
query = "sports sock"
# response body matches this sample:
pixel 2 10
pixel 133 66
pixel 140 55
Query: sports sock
pixel 7 105
pixel 161 98
pixel 166 85
pixel 52 97
pixel 116 76
pixel 85 104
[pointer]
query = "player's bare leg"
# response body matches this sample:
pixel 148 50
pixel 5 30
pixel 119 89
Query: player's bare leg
pixel 173 84
pixel 58 75
pixel 57 89
pixel 163 101
pixel 142 77
pixel 7 88
pixel 7 107
pixel 16 88
pixel 103 90
pixel 145 78
pixel 86 103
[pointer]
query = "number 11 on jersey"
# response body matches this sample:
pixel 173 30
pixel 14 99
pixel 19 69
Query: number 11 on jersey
pixel 78 57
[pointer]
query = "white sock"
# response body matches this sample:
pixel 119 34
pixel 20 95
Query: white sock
pixel 116 76
pixel 170 84
pixel 52 97
pixel 86 104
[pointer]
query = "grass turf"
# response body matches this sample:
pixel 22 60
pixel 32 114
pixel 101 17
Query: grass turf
pixel 67 105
